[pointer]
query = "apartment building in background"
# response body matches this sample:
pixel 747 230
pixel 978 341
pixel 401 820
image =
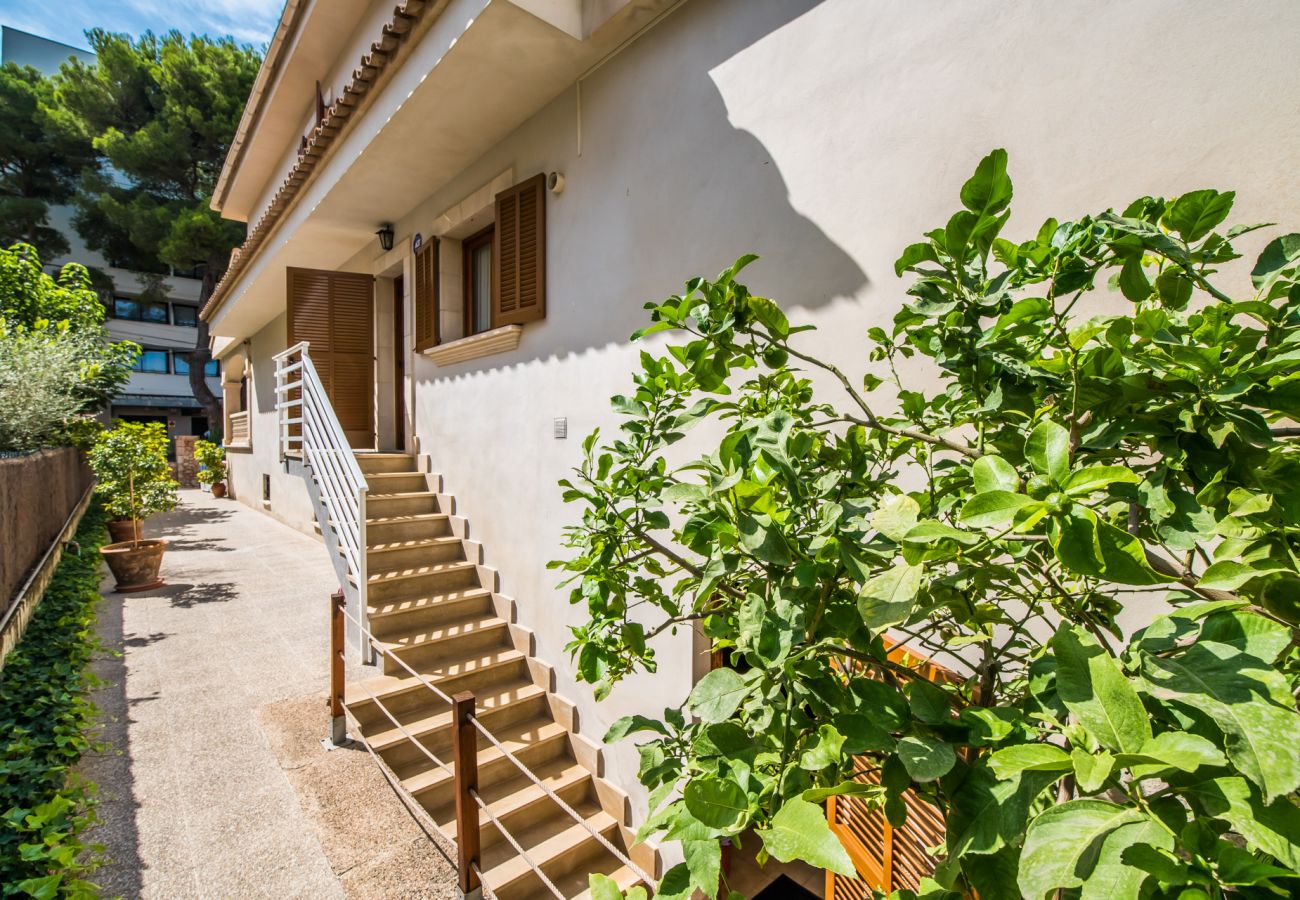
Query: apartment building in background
pixel 162 321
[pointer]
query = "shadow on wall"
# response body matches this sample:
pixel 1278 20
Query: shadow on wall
pixel 667 189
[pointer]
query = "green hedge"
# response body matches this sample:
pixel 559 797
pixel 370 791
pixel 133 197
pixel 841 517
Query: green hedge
pixel 46 718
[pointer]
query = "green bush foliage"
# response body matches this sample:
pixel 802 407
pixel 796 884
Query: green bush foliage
pixel 212 457
pixel 133 478
pixel 1086 453
pixel 45 722
pixel 57 363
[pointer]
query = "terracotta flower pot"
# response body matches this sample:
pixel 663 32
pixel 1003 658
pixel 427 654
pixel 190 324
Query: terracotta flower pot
pixel 125 530
pixel 218 489
pixel 135 566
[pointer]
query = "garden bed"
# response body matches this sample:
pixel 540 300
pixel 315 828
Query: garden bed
pixel 45 722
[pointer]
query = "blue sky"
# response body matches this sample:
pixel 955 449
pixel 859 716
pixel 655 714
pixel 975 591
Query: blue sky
pixel 248 21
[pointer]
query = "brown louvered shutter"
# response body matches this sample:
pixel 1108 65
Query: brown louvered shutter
pixel 426 296
pixel 519 248
pixel 334 313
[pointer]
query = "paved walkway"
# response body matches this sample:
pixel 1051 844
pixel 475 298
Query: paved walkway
pixel 214 784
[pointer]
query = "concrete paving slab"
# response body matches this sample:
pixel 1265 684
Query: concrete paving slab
pixel 200 796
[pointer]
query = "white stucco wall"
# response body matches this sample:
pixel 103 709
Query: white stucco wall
pixel 825 136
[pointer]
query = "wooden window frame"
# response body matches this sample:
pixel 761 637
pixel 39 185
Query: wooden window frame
pixel 468 247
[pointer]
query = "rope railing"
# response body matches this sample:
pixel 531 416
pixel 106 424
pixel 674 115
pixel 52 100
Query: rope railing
pixel 559 801
pixel 523 854
pixel 466 726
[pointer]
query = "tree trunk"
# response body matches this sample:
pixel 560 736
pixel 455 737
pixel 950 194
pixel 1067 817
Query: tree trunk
pixel 201 355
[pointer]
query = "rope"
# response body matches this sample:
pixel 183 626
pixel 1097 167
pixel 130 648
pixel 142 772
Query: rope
pixel 514 843
pixel 618 854
pixel 410 737
pixel 374 642
pixel 415 809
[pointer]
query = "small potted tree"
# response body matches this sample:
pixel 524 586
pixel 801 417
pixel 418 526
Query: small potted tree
pixel 211 457
pixel 135 481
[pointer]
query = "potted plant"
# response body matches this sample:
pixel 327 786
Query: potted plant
pixel 135 481
pixel 211 458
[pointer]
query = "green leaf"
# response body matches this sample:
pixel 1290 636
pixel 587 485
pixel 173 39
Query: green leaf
pixel 630 724
pixel 704 861
pixel 824 751
pixel 888 598
pixel 989 813
pixel 1112 878
pixel 1063 845
pixel 1029 757
pixel 1091 770
pixel 1281 254
pixel 934 532
pixel 1271 827
pixel 1249 632
pixel 1177 749
pixel 603 887
pixel 719 803
pixel 717 695
pixel 1084 481
pixel 991 508
pixel 1091 546
pixel 897 517
pixel 1092 686
pixel 913 255
pixel 1048 450
pixel 1174 288
pixel 926 759
pixel 762 538
pixel 1196 213
pixel 993 473
pixel 989 190
pixel 1133 282
pixel 799 831
pixel 1250 703
pixel 1229 575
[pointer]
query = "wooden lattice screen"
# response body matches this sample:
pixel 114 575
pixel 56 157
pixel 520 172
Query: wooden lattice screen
pixel 886 858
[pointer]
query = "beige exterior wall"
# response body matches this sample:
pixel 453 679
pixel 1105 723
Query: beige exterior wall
pixel 825 136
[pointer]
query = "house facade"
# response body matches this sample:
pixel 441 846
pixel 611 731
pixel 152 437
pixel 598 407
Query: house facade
pixel 461 207
pixel 159 311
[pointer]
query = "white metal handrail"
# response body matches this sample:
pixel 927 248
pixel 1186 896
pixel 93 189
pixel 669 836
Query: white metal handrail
pixel 309 428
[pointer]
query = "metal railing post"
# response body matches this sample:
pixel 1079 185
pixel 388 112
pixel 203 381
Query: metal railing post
pixel 368 655
pixel 465 759
pixel 338 722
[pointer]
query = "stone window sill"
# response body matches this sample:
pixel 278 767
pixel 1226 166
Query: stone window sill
pixel 239 448
pixel 498 340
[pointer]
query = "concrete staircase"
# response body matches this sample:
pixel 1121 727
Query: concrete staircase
pixel 434 605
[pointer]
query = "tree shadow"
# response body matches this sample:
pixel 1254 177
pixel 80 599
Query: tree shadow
pixel 637 223
pixel 217 545
pixel 145 640
pixel 187 596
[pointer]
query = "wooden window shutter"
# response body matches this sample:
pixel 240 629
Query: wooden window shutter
pixel 334 313
pixel 519 248
pixel 426 295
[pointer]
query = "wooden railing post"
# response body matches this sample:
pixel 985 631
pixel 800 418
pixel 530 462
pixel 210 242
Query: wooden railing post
pixel 338 722
pixel 465 757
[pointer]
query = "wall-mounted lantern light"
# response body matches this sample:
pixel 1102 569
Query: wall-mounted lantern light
pixel 385 233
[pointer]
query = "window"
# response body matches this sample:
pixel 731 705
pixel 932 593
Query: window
pixel 478 281
pixel 151 361
pixel 140 310
pixel 181 365
pixel 519 279
pixel 185 315
pixel 425 296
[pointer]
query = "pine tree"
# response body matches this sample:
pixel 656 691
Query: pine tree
pixel 39 162
pixel 161 112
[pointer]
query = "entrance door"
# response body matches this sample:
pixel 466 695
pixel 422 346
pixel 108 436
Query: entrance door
pixel 334 313
pixel 399 365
